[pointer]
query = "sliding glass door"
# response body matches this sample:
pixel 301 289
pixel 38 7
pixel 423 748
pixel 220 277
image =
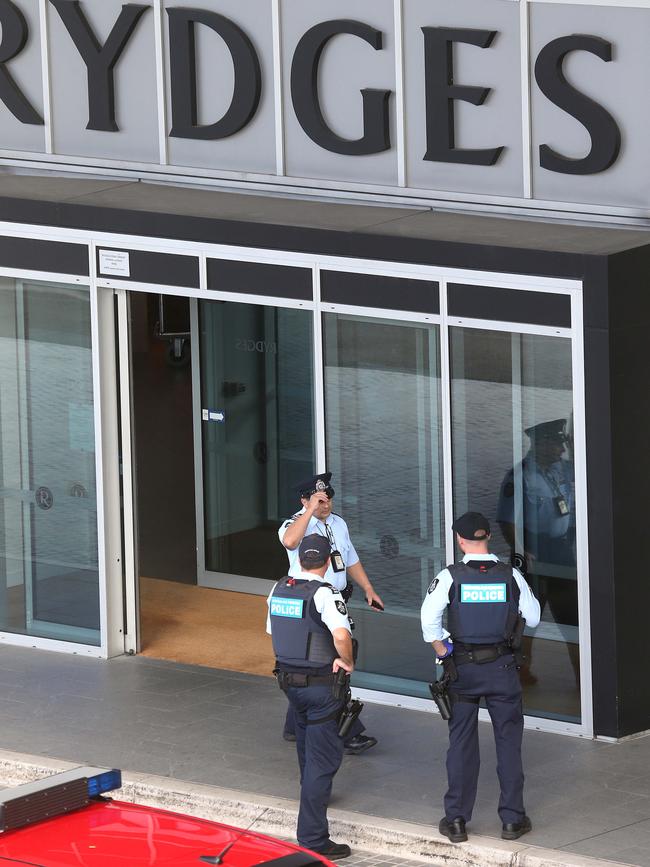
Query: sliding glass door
pixel 384 448
pixel 512 448
pixel 257 432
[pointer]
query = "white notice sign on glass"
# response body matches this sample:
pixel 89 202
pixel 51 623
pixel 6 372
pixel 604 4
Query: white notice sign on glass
pixel 114 262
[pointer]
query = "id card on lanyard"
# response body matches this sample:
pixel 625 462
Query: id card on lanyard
pixel 338 564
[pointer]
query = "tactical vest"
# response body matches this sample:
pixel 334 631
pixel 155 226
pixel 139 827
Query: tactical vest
pixel 484 600
pixel 300 638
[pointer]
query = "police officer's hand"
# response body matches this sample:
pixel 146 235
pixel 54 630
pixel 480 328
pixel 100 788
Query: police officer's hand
pixel 315 500
pixel 339 664
pixel 372 597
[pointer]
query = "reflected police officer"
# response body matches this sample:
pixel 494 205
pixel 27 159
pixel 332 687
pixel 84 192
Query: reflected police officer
pixel 482 598
pixel 548 520
pixel 312 641
pixel 316 516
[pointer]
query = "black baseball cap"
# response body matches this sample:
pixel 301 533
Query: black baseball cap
pixel 310 486
pixel 314 550
pixel 472 526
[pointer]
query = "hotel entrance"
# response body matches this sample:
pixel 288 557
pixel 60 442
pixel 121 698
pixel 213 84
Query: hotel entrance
pixel 421 409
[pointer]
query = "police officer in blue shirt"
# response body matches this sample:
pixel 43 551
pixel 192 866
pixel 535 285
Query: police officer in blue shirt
pixel 482 598
pixel 316 516
pixel 312 641
pixel 548 517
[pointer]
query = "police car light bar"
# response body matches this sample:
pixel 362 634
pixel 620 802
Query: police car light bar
pixel 54 796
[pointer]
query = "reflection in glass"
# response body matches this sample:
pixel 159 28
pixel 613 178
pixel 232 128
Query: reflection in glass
pixel 382 409
pixel 258 430
pixel 512 399
pixel 49 580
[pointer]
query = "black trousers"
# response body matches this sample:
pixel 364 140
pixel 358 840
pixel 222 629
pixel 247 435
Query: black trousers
pixel 498 682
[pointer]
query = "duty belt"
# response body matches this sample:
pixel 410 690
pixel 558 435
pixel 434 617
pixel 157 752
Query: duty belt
pixel 479 654
pixel 293 678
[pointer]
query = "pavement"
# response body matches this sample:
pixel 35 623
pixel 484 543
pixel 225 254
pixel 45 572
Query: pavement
pixel 209 741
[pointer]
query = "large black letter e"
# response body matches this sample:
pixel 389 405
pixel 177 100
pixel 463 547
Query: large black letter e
pixel 442 92
pixel 100 60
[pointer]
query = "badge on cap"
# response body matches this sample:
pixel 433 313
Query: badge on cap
pixel 320 485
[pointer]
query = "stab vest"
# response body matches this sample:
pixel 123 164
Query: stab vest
pixel 300 638
pixel 484 600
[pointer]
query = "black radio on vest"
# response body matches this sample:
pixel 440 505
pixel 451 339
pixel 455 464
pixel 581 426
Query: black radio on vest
pixel 300 638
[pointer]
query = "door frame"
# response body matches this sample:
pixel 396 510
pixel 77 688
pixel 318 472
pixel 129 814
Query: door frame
pixel 442 276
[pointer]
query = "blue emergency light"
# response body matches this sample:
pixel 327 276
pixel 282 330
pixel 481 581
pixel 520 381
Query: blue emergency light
pixel 104 781
pixel 54 796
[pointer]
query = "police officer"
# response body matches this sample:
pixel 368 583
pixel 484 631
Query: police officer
pixel 309 625
pixel 549 524
pixel 316 516
pixel 482 598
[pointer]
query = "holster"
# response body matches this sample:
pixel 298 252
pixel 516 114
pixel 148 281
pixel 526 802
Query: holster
pixel 440 694
pixel 349 714
pixel 347 591
pixel 514 638
pixel 449 669
pixel 341 685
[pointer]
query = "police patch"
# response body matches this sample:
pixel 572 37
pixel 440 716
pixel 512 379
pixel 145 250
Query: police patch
pixel 341 607
pixel 433 585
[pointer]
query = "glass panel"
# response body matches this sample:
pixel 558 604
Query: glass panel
pixel 382 401
pixel 49 579
pixel 521 477
pixel 258 430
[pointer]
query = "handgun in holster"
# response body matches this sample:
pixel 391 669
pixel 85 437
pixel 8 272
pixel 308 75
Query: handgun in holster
pixel 440 689
pixel 514 635
pixel 352 707
pixel 440 694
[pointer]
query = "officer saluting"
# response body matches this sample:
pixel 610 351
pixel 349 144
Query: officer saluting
pixel 308 622
pixel 316 516
pixel 483 598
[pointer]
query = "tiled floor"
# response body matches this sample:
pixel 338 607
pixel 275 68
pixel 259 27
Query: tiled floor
pixel 223 728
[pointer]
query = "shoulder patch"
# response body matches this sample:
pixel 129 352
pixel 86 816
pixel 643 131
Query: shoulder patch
pixel 433 585
pixel 341 607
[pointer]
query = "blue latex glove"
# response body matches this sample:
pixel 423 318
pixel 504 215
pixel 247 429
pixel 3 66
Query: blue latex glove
pixel 449 645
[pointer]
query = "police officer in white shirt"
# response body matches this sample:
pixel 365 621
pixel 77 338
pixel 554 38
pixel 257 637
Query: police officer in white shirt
pixel 483 598
pixel 316 516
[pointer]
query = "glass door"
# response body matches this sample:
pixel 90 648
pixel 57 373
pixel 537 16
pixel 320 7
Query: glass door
pixel 258 434
pixel 512 452
pixel 49 573
pixel 384 448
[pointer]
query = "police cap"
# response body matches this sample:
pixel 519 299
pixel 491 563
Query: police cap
pixel 472 526
pixel 548 430
pixel 314 550
pixel 314 484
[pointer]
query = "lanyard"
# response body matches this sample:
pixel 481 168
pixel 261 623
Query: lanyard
pixel 328 533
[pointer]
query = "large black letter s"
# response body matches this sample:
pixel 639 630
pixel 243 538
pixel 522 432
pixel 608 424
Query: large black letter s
pixel 601 126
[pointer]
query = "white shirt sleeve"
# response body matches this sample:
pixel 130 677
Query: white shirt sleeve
pixel 332 609
pixel 284 527
pixel 529 607
pixel 434 606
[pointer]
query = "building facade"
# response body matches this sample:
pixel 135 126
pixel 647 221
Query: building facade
pixel 407 242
